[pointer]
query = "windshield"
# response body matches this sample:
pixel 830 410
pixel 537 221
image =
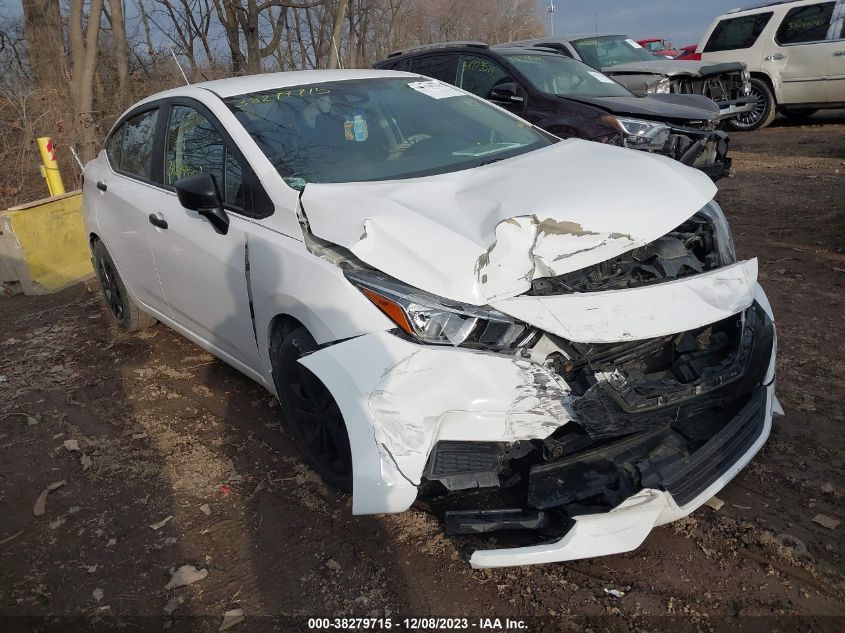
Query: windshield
pixel 379 129
pixel 609 50
pixel 563 76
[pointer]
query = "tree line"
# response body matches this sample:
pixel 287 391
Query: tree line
pixel 68 68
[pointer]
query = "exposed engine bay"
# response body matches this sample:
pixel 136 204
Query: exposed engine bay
pixel 689 249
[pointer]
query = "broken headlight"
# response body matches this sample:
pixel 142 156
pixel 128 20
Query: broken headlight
pixel 721 232
pixel 435 320
pixel 641 134
pixel 661 86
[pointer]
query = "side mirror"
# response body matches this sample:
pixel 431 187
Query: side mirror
pixel 507 92
pixel 200 193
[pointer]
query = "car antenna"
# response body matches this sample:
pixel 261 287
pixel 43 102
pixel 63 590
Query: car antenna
pixel 76 158
pixel 175 59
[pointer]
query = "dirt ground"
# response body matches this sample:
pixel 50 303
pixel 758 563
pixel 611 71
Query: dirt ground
pixel 147 427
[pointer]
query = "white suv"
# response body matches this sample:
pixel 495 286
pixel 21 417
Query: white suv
pixel 795 51
pixel 451 305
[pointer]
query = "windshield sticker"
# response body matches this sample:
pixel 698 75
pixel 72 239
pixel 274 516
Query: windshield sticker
pixel 633 43
pixel 602 78
pixel 436 89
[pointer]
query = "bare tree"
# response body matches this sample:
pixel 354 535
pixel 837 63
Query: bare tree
pixel 84 47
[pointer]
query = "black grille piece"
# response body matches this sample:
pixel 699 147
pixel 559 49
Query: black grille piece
pixel 459 465
pixel 481 521
pixel 687 479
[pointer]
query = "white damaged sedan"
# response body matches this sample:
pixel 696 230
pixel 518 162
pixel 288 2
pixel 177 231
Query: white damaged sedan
pixel 453 307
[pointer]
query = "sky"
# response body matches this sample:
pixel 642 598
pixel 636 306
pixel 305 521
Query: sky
pixel 681 21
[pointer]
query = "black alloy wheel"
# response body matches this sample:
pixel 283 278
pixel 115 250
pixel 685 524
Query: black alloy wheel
pixel 311 413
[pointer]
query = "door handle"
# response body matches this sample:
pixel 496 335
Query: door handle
pixel 839 54
pixel 157 219
pixel 776 57
pixel 102 186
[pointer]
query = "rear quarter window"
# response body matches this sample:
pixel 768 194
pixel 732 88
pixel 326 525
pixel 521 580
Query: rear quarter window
pixel 130 147
pixel 736 33
pixel 809 23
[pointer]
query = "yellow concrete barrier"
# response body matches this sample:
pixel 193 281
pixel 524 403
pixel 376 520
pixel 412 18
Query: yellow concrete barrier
pixel 43 247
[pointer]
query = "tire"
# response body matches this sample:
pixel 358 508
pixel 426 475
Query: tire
pixel 309 410
pixel 798 113
pixel 124 311
pixel 764 112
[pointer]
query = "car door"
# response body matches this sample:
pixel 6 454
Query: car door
pixel 836 60
pixel 800 52
pixel 203 272
pixel 123 194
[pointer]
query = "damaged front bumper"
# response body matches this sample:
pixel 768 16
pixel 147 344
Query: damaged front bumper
pixel 581 458
pixel 701 148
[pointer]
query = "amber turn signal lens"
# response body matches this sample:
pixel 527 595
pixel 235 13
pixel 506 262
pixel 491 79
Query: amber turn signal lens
pixel 392 310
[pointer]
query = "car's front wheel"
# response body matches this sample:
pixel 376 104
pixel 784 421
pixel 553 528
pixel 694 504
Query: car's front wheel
pixel 310 411
pixel 763 113
pixel 127 314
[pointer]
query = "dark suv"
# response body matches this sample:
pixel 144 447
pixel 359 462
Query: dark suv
pixel 570 99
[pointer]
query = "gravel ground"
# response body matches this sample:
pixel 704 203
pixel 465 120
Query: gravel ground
pixel 167 457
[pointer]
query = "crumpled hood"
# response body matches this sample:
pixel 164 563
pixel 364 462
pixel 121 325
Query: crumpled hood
pixel 672 67
pixel 687 108
pixel 484 234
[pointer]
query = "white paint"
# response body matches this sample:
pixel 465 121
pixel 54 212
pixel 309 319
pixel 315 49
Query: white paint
pixel 633 43
pixel 639 313
pixel 399 399
pixel 435 232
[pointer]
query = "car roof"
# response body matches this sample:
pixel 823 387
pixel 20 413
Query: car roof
pixel 761 5
pixel 234 86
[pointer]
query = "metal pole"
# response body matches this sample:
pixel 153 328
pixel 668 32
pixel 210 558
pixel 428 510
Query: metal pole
pixel 551 11
pixel 50 168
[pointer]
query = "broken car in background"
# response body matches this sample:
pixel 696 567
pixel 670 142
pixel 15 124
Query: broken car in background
pixel 620 57
pixel 570 99
pixel 453 307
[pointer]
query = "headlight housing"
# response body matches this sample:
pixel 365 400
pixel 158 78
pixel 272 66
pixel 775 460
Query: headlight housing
pixel 722 232
pixel 437 321
pixel 661 86
pixel 641 134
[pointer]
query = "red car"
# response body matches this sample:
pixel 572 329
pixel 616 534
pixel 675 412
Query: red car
pixel 688 53
pixel 663 48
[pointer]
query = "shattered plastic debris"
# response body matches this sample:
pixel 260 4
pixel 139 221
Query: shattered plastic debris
pixel 186 575
pixel 172 605
pixel 225 489
pixel 715 503
pixel 41 502
pixel 826 522
pixel 162 523
pixel 98 594
pixel 205 509
pixel 72 446
pixel 86 462
pixel 231 618
pixel 614 592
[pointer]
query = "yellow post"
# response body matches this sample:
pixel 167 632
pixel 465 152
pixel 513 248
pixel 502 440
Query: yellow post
pixel 50 169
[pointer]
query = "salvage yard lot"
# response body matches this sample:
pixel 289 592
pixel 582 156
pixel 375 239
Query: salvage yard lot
pixel 147 426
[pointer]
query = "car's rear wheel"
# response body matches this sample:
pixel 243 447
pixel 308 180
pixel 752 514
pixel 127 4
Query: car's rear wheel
pixel 310 411
pixel 763 113
pixel 125 312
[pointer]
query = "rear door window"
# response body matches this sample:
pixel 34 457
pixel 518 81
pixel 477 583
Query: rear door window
pixel 130 147
pixel 809 23
pixel 737 33
pixel 436 66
